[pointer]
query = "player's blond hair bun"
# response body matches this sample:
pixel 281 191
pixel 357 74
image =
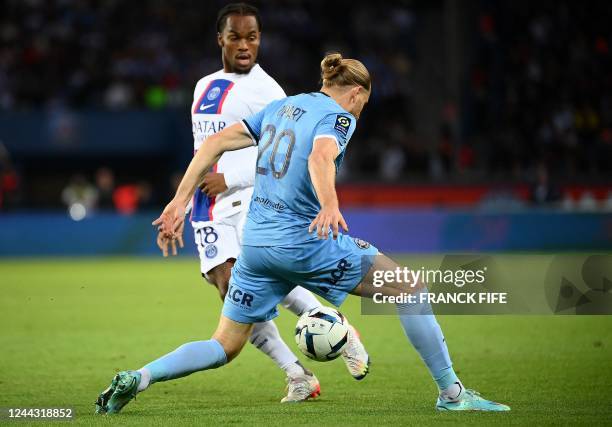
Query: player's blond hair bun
pixel 338 71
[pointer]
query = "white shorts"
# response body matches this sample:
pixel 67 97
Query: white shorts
pixel 219 240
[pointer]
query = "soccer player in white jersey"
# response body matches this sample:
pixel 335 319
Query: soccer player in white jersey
pixel 219 210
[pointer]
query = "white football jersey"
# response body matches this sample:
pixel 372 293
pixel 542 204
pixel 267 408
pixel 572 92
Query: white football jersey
pixel 220 100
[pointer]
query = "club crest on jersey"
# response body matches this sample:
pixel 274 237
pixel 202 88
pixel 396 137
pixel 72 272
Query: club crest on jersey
pixel 361 244
pixel 213 93
pixel 211 100
pixel 342 125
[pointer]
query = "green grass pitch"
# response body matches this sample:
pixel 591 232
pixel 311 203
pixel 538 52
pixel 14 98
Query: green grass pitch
pixel 68 325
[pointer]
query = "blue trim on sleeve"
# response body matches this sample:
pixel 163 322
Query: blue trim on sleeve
pixel 253 134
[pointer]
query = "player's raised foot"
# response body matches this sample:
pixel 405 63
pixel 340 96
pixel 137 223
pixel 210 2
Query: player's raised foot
pixel 355 356
pixel 469 400
pixel 123 388
pixel 301 388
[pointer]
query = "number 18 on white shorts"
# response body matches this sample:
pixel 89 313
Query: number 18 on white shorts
pixel 218 240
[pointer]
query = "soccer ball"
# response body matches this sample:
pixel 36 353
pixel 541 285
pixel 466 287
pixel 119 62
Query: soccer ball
pixel 322 333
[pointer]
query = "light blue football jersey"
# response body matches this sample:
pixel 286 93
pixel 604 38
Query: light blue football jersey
pixel 284 201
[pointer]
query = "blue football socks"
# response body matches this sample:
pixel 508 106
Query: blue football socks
pixel 423 331
pixel 188 358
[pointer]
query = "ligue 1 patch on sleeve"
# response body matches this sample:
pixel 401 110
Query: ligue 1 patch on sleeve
pixel 342 125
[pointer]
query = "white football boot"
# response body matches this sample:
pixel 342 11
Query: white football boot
pixel 301 388
pixel 355 356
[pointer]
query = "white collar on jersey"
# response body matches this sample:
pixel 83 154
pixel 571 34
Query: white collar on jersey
pixel 255 71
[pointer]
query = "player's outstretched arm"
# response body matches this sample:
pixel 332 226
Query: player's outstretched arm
pixel 232 138
pixel 323 176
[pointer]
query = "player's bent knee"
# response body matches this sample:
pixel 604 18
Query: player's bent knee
pixel 231 346
pixel 231 349
pixel 232 336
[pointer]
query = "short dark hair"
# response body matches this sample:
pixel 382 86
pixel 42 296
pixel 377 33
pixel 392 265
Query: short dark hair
pixel 241 9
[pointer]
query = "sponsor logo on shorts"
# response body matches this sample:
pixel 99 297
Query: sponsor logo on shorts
pixel 211 251
pixel 239 296
pixel 361 244
pixel 338 273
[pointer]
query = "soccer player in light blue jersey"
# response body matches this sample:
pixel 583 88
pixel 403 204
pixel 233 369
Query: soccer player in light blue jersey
pixel 292 235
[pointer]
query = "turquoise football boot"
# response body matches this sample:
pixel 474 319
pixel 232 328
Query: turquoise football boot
pixel 469 400
pixel 123 388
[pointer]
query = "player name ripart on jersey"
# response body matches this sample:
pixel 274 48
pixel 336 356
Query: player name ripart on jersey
pixel 291 112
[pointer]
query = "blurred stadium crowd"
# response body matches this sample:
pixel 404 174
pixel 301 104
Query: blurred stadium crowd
pixel 535 103
pixel 540 87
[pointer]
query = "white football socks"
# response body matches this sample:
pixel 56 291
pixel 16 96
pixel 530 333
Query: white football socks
pixel 265 335
pixel 266 338
pixel 300 300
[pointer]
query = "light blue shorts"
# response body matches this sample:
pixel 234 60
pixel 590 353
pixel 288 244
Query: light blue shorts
pixel 263 276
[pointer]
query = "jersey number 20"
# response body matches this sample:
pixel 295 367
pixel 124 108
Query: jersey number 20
pixel 285 137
